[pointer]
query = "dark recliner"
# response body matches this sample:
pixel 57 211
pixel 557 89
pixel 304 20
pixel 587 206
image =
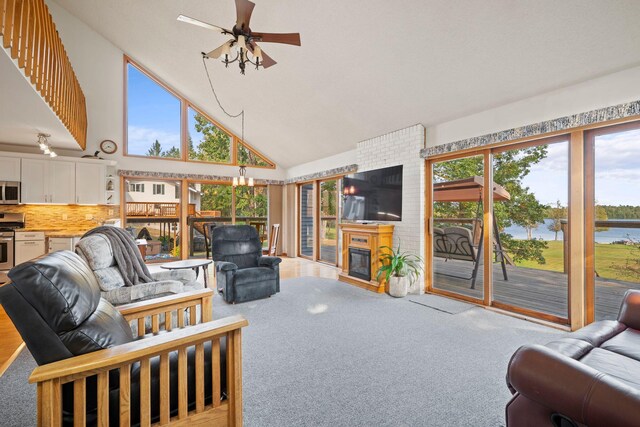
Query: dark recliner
pixel 242 273
pixel 54 302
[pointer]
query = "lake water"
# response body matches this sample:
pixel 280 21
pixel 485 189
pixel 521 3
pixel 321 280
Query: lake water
pixel 609 236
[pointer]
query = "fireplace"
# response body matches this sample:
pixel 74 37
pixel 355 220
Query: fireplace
pixel 360 263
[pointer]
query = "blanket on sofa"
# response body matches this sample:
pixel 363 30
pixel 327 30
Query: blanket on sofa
pixel 126 253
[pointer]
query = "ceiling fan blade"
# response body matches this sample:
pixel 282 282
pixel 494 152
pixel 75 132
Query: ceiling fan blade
pixel 216 53
pixel 199 23
pixel 244 8
pixel 266 61
pixel 289 38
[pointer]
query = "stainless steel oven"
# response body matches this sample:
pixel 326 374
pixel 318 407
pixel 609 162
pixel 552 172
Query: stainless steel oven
pixel 9 193
pixel 9 222
pixel 7 249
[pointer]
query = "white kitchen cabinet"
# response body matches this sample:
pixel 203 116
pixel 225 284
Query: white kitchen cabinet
pixel 34 181
pixel 29 245
pixel 90 184
pixel 62 182
pixel 62 244
pixel 9 169
pixel 48 181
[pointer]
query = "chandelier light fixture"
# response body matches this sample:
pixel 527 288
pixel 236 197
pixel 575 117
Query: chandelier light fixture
pixel 242 180
pixel 44 145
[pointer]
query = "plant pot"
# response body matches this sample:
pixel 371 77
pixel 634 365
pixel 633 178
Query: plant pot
pixel 398 286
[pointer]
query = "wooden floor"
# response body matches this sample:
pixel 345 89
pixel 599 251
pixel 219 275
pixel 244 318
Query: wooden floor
pixel 299 267
pixel 543 291
pixel 11 343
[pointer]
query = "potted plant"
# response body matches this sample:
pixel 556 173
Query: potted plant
pixel 400 269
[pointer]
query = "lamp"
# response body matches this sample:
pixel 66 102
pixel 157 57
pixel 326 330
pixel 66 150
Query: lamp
pixel 43 143
pixel 242 180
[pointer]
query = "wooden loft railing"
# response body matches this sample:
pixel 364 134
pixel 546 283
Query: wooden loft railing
pixel 30 35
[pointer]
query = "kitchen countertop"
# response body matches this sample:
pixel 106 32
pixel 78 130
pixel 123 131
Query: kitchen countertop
pixel 56 232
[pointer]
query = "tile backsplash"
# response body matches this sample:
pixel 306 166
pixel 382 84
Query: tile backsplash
pixel 51 216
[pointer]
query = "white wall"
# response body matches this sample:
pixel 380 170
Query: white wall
pixel 606 91
pixel 342 159
pixel 98 65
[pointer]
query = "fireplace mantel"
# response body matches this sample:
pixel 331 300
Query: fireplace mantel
pixel 367 237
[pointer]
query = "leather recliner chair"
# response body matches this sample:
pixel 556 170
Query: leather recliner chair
pixel 242 273
pixel 591 377
pixel 54 302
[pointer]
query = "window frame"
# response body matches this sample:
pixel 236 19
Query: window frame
pixel 185 104
pixel 157 187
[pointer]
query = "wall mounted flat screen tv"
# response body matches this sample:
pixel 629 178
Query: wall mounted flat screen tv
pixel 374 195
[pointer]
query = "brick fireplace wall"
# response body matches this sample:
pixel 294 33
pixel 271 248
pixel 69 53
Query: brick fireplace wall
pixel 402 147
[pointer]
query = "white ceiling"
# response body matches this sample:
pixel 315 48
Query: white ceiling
pixel 23 114
pixel 369 67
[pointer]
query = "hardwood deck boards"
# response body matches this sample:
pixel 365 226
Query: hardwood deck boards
pixel 543 291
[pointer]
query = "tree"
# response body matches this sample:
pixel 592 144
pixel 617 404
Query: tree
pixel 556 214
pixel 173 152
pixel 215 145
pixel 509 169
pixel 155 150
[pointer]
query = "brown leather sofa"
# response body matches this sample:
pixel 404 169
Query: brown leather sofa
pixel 591 377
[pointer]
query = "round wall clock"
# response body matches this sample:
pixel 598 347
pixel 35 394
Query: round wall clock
pixel 108 147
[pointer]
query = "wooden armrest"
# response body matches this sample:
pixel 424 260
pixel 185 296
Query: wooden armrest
pixel 114 357
pixel 160 305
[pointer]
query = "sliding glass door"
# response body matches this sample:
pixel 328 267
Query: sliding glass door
pixel 531 240
pixel 457 227
pixel 306 220
pixel 328 233
pixel 613 218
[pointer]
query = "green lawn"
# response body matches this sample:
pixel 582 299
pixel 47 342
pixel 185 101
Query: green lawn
pixel 607 258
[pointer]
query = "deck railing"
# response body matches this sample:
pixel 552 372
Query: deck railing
pixel 30 35
pixel 155 209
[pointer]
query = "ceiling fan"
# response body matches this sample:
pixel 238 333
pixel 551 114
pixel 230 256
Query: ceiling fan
pixel 244 40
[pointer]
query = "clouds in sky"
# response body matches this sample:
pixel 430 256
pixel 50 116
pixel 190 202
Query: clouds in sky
pixel 139 139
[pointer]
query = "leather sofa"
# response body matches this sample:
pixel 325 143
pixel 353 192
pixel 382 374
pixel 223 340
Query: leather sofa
pixel 591 377
pixel 242 273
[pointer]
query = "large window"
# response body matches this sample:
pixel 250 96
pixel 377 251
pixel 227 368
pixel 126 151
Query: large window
pixel 219 204
pixel 153 117
pixel 154 217
pixel 154 126
pixel 613 222
pixel 207 142
pixel 554 232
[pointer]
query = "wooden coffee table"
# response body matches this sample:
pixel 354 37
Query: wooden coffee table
pixel 193 264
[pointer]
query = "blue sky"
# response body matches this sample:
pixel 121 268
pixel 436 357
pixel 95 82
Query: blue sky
pixel 153 113
pixel 617 175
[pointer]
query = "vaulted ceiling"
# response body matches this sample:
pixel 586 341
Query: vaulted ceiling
pixel 367 67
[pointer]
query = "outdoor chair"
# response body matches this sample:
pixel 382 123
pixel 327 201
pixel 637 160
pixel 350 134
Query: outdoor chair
pixel 457 243
pixel 242 273
pixel 92 371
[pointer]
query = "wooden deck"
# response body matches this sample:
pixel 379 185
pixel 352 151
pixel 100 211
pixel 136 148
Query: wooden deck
pixel 543 291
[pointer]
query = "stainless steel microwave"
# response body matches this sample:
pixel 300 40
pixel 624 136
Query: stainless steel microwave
pixel 9 193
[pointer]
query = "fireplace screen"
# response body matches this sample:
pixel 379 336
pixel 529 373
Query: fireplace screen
pixel 360 263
